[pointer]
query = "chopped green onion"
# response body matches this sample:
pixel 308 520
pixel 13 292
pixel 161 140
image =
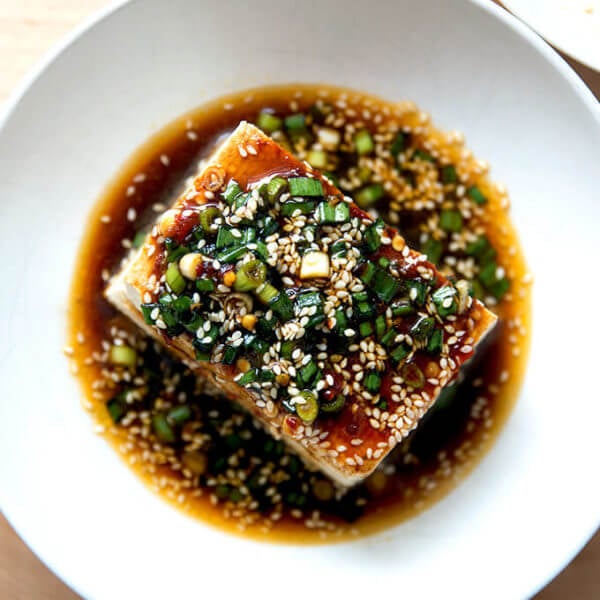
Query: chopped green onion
pixel 225 238
pixel 240 201
pixel 266 293
pixel 333 406
pixel 174 279
pixel 208 217
pixel 275 188
pixel 451 220
pixel 372 382
pixel 123 356
pixel 341 321
pixel 367 272
pixel 417 291
pixel 229 355
pixel 422 329
pixel 401 308
pixel 328 213
pixel 384 285
pixel 248 235
pixel 365 174
pixel 305 186
pixel 338 249
pixel 307 374
pixel 434 345
pixel 445 300
pixel 499 289
pixel 282 306
pixel 162 429
pixel 363 142
pixel 384 262
pixel 307 299
pixel 433 249
pixel 476 195
pixel 174 250
pixel 477 289
pixel 360 297
pixel 399 353
pixel 363 310
pixel 249 276
pixel 231 255
pixel 487 275
pixel 423 155
pixel 117 408
pixel 380 326
pixel 398 144
pixel 413 376
pixel 249 376
pixel 268 122
pixel 372 235
pixel 389 337
pixel 179 415
pixel 308 411
pixel 287 347
pixel 449 174
pixel 295 122
pixel 317 159
pixel 304 207
pixel 365 329
pixel 367 196
pixel 232 191
pixel 205 285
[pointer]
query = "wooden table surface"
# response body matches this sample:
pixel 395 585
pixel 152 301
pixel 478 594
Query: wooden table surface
pixel 27 29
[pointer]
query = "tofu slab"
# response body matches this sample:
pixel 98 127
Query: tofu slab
pixel 368 334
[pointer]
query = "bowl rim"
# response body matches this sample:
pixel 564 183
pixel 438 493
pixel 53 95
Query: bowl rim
pixel 496 11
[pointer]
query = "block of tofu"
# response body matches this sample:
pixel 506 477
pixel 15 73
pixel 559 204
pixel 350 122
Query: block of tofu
pixel 316 318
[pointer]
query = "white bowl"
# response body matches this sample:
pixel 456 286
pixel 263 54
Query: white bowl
pixel 532 502
pixel 571 25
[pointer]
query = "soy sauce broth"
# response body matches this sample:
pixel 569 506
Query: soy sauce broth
pixel 445 447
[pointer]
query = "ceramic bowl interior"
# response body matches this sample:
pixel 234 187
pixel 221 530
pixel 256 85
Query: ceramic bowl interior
pixel 530 504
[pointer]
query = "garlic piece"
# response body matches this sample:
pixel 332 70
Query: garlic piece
pixel 314 264
pixel 189 263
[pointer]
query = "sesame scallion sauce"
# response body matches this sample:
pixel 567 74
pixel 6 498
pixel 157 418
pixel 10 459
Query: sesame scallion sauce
pixel 203 453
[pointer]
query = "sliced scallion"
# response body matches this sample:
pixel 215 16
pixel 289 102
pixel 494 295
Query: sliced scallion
pixel 317 159
pixel 445 299
pixel 303 207
pixel 232 191
pixel 268 122
pixel 208 217
pixel 413 376
pixel 449 174
pixel 451 220
pixel 231 255
pixel 275 188
pixel 372 382
pixel 266 293
pixel 123 356
pixel 476 195
pixel 308 408
pixel 363 142
pixel 367 196
pixel 174 279
pixel 249 276
pixel 163 431
pixel 305 186
pixel 179 414
pixel 282 306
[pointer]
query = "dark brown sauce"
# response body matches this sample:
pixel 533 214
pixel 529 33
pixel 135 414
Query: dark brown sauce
pixel 443 450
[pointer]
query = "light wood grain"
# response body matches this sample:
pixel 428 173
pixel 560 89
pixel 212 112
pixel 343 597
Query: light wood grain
pixel 28 28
